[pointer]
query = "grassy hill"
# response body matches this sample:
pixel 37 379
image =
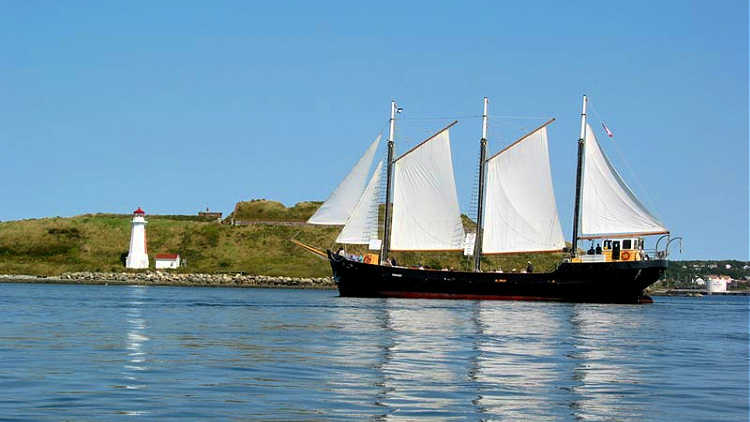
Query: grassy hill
pixel 263 210
pixel 99 242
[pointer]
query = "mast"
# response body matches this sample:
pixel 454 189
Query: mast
pixel 388 184
pixel 480 194
pixel 579 174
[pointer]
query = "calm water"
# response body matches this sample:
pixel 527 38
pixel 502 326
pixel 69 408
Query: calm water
pixel 131 353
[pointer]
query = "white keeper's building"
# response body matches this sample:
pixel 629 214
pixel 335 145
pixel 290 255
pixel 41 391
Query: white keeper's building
pixel 167 260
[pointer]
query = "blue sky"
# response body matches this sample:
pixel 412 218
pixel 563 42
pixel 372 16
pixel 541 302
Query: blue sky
pixel 178 106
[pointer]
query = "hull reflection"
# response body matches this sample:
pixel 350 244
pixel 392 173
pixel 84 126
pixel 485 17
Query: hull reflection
pixel 610 377
pixel 519 372
pixel 427 371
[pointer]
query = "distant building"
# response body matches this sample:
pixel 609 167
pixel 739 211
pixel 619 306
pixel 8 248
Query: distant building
pixel 210 214
pixel 718 283
pixel 699 282
pixel 167 260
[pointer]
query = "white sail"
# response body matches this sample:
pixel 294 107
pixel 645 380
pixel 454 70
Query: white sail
pixel 609 207
pixel 520 213
pixel 426 215
pixel 339 206
pixel 363 223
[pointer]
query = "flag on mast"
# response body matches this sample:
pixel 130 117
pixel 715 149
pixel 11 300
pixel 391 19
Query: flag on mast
pixel 606 129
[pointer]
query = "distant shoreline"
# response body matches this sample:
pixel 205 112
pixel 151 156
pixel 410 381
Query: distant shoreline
pixel 697 293
pixel 158 278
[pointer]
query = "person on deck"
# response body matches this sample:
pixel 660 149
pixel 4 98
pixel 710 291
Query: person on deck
pixel 529 267
pixel 598 249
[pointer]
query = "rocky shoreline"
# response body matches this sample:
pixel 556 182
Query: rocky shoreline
pixel 160 278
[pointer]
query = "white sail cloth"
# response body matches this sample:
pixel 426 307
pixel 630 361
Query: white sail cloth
pixel 363 223
pixel 609 207
pixel 426 215
pixel 520 213
pixel 339 206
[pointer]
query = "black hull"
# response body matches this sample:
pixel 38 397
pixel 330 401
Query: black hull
pixel 599 282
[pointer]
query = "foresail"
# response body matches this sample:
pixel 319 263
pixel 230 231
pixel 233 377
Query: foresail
pixel 520 213
pixel 363 223
pixel 339 206
pixel 609 207
pixel 426 215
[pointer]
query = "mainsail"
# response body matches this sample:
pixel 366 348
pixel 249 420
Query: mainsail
pixel 609 207
pixel 363 223
pixel 339 206
pixel 426 215
pixel 520 213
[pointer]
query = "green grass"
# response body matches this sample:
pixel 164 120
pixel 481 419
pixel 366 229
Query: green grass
pixel 264 210
pixel 52 246
pixel 99 242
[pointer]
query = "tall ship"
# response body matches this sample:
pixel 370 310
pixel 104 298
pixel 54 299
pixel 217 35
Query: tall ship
pixel 516 213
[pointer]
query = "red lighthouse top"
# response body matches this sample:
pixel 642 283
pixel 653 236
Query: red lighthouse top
pixel 139 211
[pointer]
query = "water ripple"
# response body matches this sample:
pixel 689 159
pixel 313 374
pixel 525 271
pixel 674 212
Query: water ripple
pixel 125 352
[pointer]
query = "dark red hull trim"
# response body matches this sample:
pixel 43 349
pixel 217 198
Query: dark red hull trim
pixel 418 295
pixel 448 296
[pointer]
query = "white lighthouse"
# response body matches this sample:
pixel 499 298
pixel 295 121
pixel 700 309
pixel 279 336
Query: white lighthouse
pixel 138 255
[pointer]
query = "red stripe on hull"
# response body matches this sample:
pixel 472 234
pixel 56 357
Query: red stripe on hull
pixel 645 299
pixel 420 295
